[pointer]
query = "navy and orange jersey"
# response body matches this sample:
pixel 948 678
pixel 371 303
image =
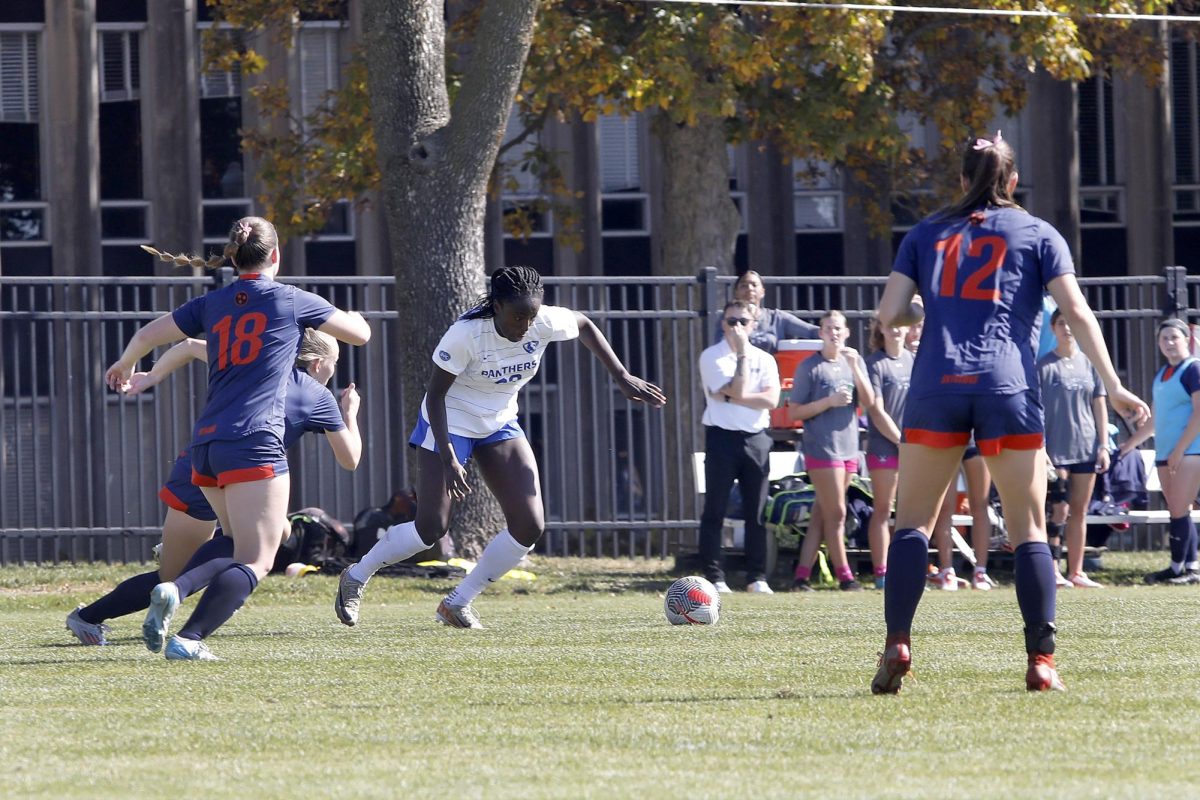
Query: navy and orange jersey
pixel 982 278
pixel 310 407
pixel 252 328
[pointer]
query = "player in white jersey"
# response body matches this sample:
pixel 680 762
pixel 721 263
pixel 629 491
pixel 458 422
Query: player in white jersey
pixel 470 408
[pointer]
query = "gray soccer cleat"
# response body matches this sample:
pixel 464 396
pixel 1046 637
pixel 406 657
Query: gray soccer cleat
pixel 164 599
pixel 349 595
pixel 458 616
pixel 86 632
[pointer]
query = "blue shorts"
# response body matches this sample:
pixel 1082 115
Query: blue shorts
pixel 422 437
pixel 181 494
pixel 999 421
pixel 255 457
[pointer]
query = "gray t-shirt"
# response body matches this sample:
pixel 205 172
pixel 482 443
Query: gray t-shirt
pixel 1069 385
pixel 889 378
pixel 831 435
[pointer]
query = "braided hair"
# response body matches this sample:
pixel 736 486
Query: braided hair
pixel 251 240
pixel 507 284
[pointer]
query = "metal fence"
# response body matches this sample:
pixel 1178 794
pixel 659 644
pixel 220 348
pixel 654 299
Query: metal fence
pixel 80 467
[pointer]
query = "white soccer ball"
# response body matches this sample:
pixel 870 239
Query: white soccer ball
pixel 693 601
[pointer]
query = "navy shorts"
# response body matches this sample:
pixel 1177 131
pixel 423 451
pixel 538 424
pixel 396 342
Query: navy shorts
pixel 1079 467
pixel 181 494
pixel 999 421
pixel 422 437
pixel 255 457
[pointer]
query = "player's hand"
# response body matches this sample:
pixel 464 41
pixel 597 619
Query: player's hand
pixel 1174 460
pixel 1102 460
pixel 456 478
pixel 1131 407
pixel 349 402
pixel 741 339
pixel 851 355
pixel 642 391
pixel 140 382
pixel 842 397
pixel 117 376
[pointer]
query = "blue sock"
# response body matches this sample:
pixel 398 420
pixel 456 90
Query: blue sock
pixel 214 557
pixel 1035 578
pixel 225 595
pixel 907 562
pixel 1180 531
pixel 130 595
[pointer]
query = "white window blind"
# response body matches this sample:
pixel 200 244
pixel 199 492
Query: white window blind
pixel 19 77
pixel 218 83
pixel 1097 149
pixel 119 66
pixel 620 167
pixel 320 65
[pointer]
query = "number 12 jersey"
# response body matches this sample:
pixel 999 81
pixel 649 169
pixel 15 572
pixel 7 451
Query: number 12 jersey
pixel 982 278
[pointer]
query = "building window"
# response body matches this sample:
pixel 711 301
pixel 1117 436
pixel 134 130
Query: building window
pixel 624 207
pixel 222 172
pixel 322 51
pixel 816 197
pixel 23 217
pixel 1185 111
pixel 124 215
pixel 520 185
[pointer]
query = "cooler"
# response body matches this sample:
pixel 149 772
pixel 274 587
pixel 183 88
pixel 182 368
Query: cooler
pixel 788 356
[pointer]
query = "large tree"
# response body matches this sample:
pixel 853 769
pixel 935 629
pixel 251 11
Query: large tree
pixel 435 141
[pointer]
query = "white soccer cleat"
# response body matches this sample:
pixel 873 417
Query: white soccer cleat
pixel 458 616
pixel 1081 581
pixel 722 587
pixel 759 587
pixel 164 600
pixel 188 650
pixel 983 582
pixel 349 595
pixel 86 632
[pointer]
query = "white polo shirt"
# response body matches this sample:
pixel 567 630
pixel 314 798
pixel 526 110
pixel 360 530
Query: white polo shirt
pixel 717 365
pixel 491 370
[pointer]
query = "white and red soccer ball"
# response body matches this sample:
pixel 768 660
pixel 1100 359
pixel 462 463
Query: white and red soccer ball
pixel 693 601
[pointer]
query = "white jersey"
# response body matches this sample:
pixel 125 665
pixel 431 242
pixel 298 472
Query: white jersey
pixel 491 369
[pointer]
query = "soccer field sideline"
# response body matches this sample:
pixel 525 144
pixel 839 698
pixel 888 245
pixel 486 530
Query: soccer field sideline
pixel 578 687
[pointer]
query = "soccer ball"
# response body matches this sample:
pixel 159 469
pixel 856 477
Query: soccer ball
pixel 693 601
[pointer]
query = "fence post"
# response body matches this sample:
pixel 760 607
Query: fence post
pixel 223 277
pixel 708 297
pixel 1175 295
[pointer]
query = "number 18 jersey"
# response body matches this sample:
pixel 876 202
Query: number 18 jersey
pixel 981 278
pixel 252 330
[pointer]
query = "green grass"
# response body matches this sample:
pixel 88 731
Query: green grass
pixel 579 688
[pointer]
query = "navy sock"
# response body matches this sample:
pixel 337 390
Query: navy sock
pixel 214 557
pixel 130 595
pixel 1189 550
pixel 1034 571
pixel 1180 530
pixel 907 560
pixel 225 595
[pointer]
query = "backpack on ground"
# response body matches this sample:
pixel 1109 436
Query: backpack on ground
pixel 315 537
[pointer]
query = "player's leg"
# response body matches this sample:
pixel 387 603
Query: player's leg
pixel 1057 494
pixel 1079 495
pixel 754 466
pixel 879 532
pixel 979 490
pixel 181 534
pixel 830 486
pixel 946 579
pixel 813 536
pixel 511 473
pixel 402 541
pixel 722 460
pixel 1179 488
pixel 1010 439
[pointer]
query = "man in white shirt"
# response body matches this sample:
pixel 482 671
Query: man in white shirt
pixel 741 385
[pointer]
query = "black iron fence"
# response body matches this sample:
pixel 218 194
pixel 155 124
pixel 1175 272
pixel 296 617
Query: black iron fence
pixel 80 467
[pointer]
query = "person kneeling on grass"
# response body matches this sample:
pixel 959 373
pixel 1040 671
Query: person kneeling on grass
pixel 470 409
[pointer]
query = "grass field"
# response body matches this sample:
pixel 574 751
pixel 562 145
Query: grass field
pixel 579 688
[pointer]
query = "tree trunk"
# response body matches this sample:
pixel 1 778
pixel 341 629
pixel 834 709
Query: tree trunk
pixel 435 157
pixel 699 229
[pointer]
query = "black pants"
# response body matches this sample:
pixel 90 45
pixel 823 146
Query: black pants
pixel 744 457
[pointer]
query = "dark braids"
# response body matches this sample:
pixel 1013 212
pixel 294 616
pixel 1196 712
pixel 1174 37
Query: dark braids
pixel 507 284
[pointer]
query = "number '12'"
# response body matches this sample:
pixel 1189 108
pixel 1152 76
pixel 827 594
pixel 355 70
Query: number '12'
pixel 951 250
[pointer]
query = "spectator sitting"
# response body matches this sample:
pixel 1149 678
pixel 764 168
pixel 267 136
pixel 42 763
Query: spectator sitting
pixel 771 324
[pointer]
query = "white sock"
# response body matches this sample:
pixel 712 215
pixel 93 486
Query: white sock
pixel 502 554
pixel 1193 565
pixel 981 570
pixel 400 542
